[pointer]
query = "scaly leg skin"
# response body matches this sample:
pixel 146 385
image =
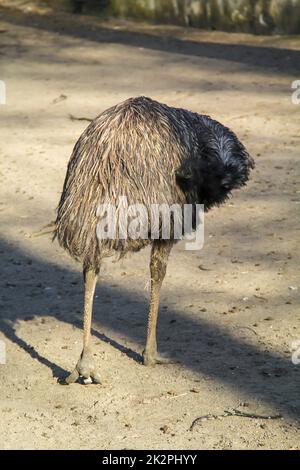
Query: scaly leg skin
pixel 85 366
pixel 158 265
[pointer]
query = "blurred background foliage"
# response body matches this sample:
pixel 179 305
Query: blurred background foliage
pixel 258 16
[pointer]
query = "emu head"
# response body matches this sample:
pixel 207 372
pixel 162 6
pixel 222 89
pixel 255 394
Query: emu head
pixel 220 165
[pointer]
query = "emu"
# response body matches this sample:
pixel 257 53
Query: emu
pixel 152 154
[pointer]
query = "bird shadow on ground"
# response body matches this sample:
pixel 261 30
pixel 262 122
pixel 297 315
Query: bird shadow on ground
pixel 277 60
pixel 199 345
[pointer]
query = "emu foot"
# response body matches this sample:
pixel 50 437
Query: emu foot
pixel 86 369
pixel 151 359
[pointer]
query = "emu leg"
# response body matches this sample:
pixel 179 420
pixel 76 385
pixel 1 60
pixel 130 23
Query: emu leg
pixel 158 265
pixel 85 366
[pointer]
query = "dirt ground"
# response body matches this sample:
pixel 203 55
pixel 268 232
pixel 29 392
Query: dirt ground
pixel 229 313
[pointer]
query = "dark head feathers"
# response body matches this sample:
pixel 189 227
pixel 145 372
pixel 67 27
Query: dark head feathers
pixel 219 164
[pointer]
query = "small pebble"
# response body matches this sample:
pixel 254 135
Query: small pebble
pixel 87 381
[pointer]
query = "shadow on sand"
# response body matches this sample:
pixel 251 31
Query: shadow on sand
pixel 199 345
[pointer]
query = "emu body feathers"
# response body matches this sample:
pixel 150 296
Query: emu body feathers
pixel 150 153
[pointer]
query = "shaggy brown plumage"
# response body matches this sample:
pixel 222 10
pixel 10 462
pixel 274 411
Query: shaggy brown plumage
pixel 150 153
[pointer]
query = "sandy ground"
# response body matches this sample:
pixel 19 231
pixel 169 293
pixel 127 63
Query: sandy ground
pixel 229 313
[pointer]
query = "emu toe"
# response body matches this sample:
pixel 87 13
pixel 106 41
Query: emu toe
pixel 150 359
pixel 86 369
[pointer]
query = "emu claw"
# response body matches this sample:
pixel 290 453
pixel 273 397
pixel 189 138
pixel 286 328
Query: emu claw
pixel 71 378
